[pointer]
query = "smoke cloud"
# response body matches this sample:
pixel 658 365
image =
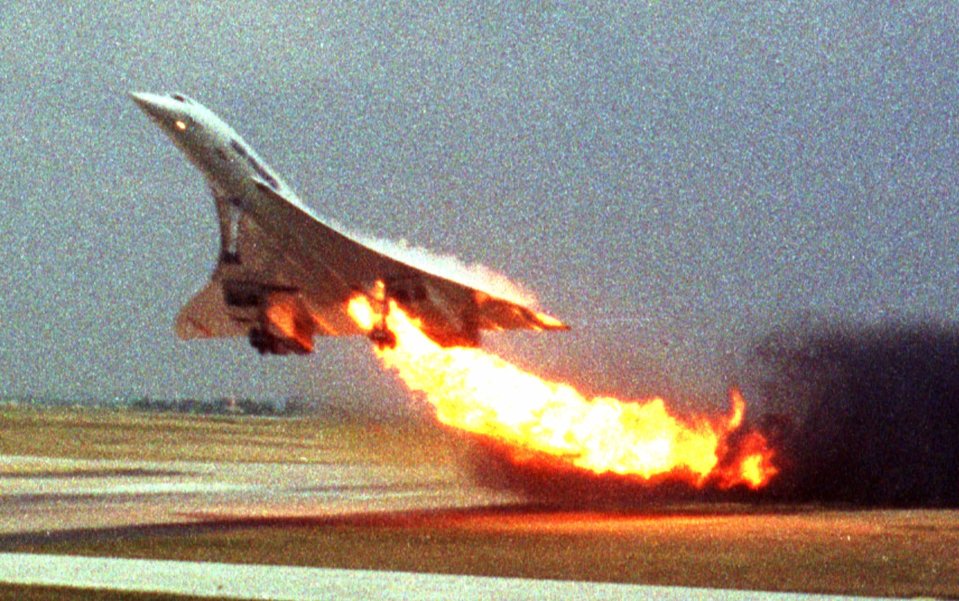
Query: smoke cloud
pixel 868 416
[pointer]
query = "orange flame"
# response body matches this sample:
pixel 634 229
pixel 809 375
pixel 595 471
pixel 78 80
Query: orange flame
pixel 479 392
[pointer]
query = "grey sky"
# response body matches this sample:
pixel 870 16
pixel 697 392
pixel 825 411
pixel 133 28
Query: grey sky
pixel 673 180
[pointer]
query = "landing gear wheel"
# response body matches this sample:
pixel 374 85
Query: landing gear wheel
pixel 383 338
pixel 259 340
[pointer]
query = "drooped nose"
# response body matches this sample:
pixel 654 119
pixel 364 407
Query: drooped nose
pixel 151 104
pixel 166 112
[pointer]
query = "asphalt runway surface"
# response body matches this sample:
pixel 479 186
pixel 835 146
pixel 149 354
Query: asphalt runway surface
pixel 46 500
pixel 51 495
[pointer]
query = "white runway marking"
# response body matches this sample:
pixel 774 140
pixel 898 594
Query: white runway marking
pixel 237 581
pixel 43 498
pixel 144 488
pixel 43 495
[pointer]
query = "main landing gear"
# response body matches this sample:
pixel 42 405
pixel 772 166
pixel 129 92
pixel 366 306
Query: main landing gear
pixel 381 335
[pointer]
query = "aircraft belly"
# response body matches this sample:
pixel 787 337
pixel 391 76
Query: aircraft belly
pixel 328 268
pixel 268 261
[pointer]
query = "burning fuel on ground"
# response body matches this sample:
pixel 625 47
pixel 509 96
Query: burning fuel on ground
pixel 536 421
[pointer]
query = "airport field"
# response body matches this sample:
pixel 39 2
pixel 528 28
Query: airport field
pixel 123 434
pixel 759 547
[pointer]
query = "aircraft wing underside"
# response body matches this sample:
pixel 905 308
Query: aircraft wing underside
pixel 283 277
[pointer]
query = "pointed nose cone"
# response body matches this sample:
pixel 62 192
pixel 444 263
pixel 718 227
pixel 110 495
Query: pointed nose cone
pixel 151 104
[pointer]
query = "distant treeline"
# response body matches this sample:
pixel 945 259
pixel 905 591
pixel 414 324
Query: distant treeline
pixel 223 407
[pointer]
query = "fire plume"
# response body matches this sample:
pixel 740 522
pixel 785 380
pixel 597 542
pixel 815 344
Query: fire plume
pixel 481 393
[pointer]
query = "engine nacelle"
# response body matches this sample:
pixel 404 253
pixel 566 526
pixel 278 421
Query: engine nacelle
pixel 448 317
pixel 268 344
pixel 280 321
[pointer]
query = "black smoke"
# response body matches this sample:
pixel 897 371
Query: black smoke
pixel 868 415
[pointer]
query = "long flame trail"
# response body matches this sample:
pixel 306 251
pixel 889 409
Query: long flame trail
pixel 482 393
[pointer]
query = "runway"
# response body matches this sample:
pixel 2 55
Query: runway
pixel 232 581
pixel 49 499
pixel 43 497
pixel 312 530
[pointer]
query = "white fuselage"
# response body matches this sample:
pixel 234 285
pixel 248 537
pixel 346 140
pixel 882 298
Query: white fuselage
pixel 230 166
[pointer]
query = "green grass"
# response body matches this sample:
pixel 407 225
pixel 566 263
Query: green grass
pixel 120 434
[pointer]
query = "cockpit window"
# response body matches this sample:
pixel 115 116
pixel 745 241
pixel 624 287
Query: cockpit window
pixel 236 146
pixel 180 98
pixel 259 169
pixel 263 173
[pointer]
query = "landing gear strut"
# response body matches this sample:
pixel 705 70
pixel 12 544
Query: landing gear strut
pixel 381 335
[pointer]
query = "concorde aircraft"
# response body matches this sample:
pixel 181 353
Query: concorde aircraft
pixel 284 276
